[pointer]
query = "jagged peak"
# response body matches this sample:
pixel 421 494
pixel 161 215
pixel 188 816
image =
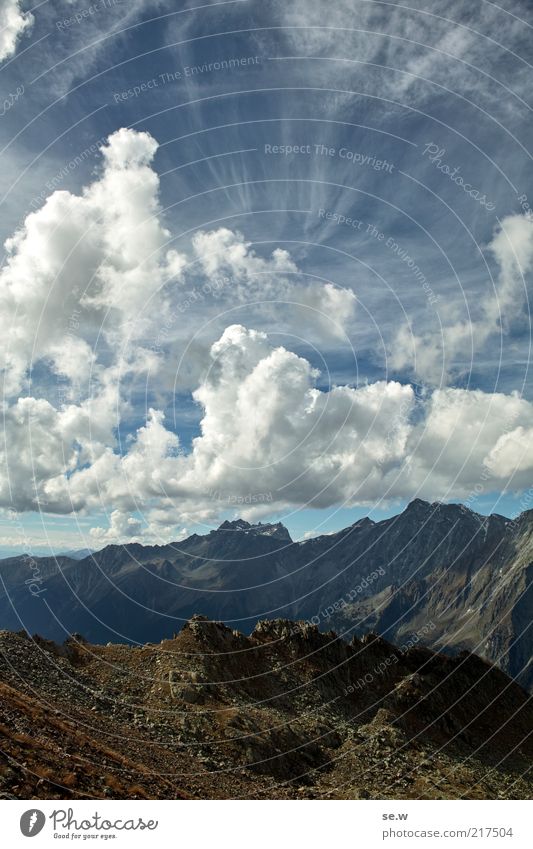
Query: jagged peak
pixel 525 517
pixel 236 525
pixel 275 530
pixel 362 523
pixel 418 505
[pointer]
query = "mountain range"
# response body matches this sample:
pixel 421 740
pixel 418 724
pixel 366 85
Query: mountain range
pixel 436 574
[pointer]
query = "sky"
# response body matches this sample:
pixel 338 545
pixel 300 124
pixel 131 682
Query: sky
pixel 261 261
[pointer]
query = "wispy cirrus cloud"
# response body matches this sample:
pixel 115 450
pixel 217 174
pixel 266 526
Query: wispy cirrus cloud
pixel 476 50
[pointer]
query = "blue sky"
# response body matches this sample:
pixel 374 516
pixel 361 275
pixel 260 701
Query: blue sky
pixel 351 191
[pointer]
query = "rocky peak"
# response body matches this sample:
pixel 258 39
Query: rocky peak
pixel 423 511
pixel 236 525
pixel 213 634
pixel 274 530
pixel 417 505
pixel 272 630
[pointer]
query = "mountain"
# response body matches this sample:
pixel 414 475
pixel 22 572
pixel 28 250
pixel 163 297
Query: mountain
pixel 287 712
pixel 273 530
pixel 78 553
pixel 480 598
pixel 437 574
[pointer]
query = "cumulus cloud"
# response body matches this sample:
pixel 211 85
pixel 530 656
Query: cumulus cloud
pixel 40 444
pixel 99 264
pixel 13 22
pixel 86 264
pixel 265 420
pixel 223 249
pixel 244 276
pixel 266 428
pixel 500 311
pixel 512 451
pixel 122 528
pixel 458 444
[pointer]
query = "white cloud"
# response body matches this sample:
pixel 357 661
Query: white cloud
pixel 458 444
pixel 99 264
pixel 266 428
pixel 513 450
pixel 40 445
pixel 245 277
pixel 265 421
pixel 512 246
pixel 89 284
pixel 504 304
pixel 13 22
pixel 86 264
pixel 122 528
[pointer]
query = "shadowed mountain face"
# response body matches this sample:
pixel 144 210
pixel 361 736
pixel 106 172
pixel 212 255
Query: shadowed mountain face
pixel 287 712
pixel 436 574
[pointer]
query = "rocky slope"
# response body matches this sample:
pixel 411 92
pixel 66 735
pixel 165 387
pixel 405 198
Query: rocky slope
pixel 469 576
pixel 287 712
pixel 481 601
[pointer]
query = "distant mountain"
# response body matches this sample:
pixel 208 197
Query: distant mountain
pixel 78 553
pixel 75 554
pixel 274 531
pixel 437 574
pixel 285 713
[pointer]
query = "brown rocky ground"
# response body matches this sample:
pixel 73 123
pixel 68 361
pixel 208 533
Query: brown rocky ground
pixel 285 713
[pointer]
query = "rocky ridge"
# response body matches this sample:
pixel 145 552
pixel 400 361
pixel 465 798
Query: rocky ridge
pixel 287 712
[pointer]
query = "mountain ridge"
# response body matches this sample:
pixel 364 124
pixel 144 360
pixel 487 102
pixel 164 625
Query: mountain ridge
pixel 468 574
pixel 239 523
